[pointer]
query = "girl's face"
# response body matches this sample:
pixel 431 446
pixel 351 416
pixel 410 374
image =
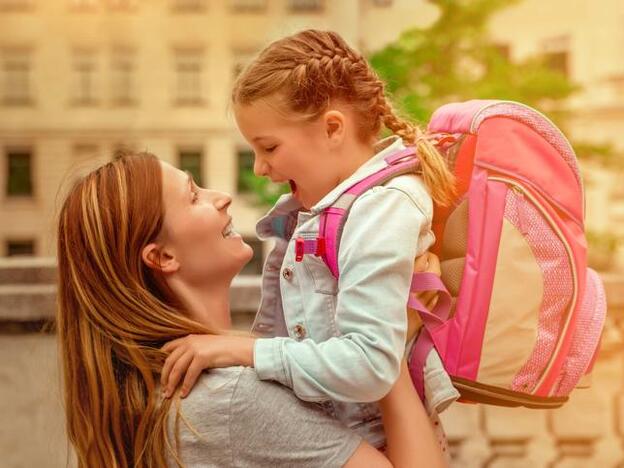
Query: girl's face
pixel 297 152
pixel 197 230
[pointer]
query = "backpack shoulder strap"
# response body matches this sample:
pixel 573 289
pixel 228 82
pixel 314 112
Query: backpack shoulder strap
pixel 333 218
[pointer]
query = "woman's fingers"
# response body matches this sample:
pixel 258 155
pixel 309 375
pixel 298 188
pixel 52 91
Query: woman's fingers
pixel 179 368
pixel 192 374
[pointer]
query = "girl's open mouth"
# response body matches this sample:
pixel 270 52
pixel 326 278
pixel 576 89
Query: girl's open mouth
pixel 293 186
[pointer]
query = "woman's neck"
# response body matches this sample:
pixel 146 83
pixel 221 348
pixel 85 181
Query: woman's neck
pixel 208 304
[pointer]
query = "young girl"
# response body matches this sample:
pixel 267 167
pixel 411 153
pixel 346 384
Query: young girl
pixel 312 109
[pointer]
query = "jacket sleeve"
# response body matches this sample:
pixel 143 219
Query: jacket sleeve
pixel 376 258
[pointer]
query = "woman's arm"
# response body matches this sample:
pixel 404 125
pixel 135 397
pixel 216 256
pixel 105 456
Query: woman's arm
pixel 410 440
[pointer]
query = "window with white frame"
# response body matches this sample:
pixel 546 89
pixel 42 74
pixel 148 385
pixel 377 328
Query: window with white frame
pixel 305 6
pixel 191 160
pixel 85 76
pixel 556 54
pixel 84 4
pixel 19 181
pixel 248 6
pixel 15 5
pixel 188 6
pixel 16 70
pixel 20 247
pixel 122 76
pixel 189 65
pixel 121 4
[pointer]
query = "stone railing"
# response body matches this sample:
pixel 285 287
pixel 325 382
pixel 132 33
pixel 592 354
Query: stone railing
pixel 588 431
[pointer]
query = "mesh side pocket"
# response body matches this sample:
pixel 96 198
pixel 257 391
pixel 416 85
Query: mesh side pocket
pixel 589 325
pixel 553 260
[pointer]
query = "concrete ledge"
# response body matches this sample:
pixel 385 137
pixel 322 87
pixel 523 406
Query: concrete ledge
pixel 28 270
pixel 28 291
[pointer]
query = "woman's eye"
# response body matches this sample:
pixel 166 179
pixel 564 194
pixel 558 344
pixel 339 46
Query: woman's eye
pixel 195 195
pixel 270 149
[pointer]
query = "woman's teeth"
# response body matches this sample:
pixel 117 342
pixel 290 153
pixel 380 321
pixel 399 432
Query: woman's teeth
pixel 229 231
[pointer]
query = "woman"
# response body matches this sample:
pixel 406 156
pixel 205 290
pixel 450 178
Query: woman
pixel 145 256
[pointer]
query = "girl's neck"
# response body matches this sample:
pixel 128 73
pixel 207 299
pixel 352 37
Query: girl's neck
pixel 354 154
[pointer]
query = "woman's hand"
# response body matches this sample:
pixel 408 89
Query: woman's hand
pixel 429 263
pixel 190 355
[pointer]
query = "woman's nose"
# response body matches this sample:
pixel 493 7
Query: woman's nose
pixel 260 167
pixel 221 200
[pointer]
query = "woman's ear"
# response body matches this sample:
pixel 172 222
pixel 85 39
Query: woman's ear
pixel 155 257
pixel 334 121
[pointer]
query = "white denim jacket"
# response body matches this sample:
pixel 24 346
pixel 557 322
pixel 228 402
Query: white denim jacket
pixel 340 342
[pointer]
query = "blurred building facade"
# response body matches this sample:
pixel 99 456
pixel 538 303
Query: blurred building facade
pixel 81 79
pixel 585 40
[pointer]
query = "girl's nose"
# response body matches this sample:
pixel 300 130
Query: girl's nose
pixel 260 167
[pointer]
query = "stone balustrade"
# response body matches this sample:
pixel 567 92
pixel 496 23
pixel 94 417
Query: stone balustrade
pixel 588 431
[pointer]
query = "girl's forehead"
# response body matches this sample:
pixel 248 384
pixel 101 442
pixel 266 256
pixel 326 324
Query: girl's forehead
pixel 267 112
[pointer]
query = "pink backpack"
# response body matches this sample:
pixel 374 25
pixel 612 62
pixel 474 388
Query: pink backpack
pixel 519 317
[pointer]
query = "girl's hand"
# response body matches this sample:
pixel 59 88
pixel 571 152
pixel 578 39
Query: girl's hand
pixel 190 355
pixel 431 264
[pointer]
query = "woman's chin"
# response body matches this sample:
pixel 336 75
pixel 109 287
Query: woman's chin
pixel 247 255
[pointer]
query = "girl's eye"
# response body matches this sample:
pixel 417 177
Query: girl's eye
pixel 270 149
pixel 195 194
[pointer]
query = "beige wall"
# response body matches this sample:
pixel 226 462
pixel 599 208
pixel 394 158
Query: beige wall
pixel 52 30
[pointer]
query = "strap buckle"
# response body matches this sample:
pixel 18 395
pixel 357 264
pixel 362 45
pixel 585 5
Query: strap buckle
pixel 320 247
pixel 299 249
pixel 303 246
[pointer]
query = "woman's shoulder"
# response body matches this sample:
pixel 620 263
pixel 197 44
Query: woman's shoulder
pixel 213 388
pixel 201 421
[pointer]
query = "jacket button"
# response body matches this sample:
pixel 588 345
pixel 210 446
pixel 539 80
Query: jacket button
pixel 287 273
pixel 300 331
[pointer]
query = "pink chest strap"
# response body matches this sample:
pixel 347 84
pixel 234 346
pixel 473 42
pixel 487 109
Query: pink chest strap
pixel 333 218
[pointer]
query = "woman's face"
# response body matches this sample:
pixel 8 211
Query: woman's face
pixel 197 230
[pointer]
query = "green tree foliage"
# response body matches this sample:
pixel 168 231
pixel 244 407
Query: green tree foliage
pixel 454 59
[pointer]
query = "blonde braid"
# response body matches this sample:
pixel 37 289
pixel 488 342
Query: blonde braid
pixel 436 175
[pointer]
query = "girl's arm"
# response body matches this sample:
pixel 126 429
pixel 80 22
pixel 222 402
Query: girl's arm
pixel 376 259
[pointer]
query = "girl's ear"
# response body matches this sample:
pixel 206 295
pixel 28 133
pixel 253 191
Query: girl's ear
pixel 157 258
pixel 334 122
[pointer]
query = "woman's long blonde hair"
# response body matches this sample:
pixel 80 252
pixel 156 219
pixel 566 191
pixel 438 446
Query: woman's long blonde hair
pixel 113 315
pixel 311 68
